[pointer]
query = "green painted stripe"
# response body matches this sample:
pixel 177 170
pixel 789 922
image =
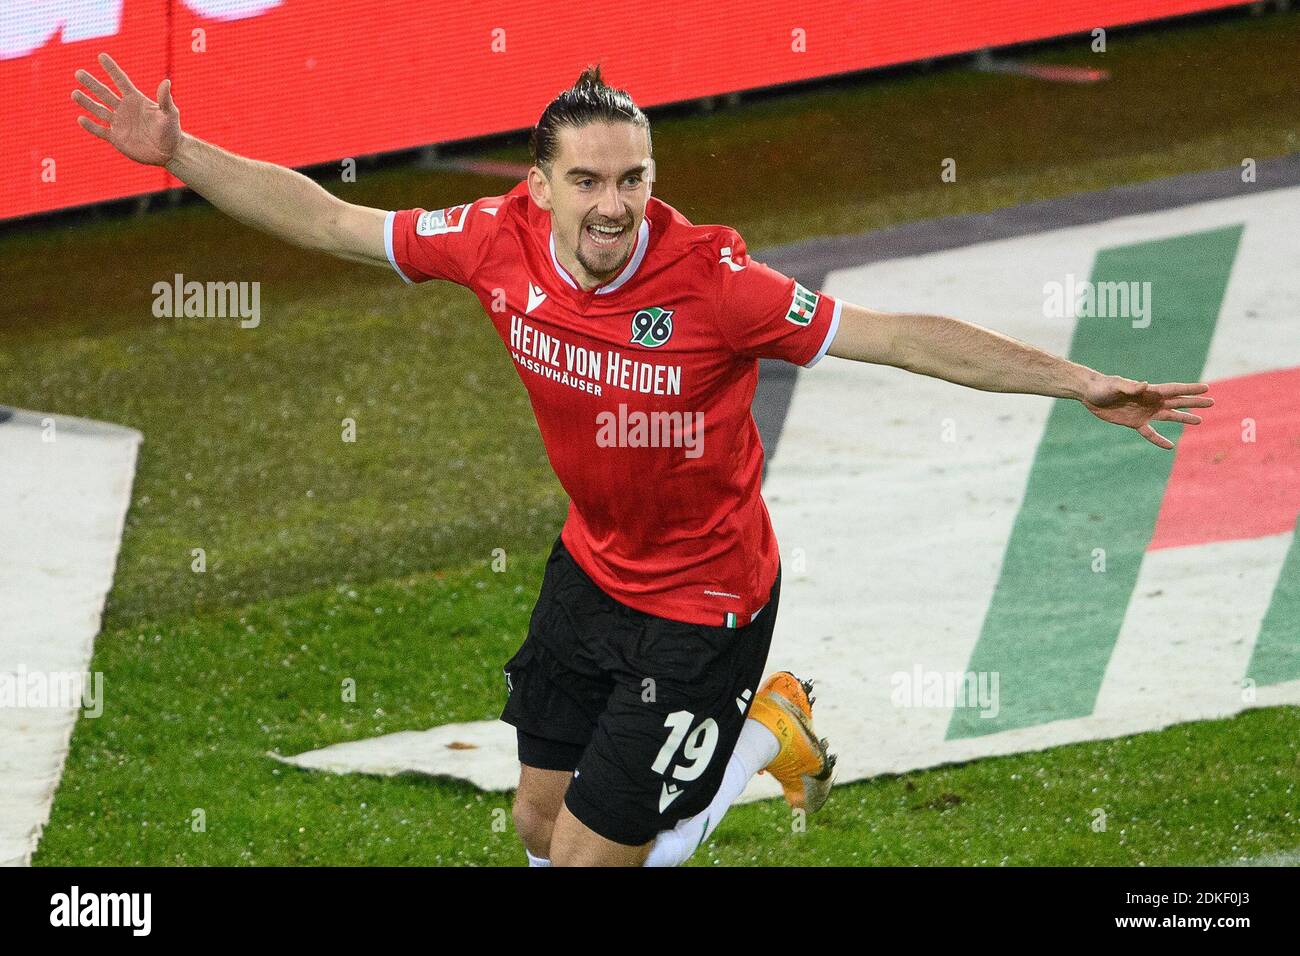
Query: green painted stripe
pixel 1053 621
pixel 1277 650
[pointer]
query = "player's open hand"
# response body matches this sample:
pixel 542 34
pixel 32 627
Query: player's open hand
pixel 1122 401
pixel 146 131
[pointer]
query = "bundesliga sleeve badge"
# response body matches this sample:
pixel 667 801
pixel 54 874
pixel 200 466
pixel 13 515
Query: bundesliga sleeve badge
pixel 440 221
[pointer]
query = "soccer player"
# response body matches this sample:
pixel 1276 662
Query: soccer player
pixel 636 695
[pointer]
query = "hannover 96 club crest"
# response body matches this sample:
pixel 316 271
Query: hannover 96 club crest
pixel 652 327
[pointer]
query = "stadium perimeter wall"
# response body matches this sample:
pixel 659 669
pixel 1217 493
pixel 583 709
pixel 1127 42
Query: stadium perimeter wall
pixel 305 82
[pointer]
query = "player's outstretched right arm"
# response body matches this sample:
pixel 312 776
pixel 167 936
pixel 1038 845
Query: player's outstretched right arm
pixel 271 198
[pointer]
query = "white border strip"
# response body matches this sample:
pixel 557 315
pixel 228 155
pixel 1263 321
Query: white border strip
pixel 830 335
pixel 388 246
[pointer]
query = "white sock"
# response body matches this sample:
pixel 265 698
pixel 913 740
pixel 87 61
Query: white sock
pixel 537 860
pixel 755 749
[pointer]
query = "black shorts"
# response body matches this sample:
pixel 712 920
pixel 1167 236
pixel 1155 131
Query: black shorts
pixel 645 711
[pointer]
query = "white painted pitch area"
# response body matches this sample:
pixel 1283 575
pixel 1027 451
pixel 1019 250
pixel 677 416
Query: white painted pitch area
pixel 65 484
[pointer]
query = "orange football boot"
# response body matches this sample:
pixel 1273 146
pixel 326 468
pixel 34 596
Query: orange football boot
pixel 802 766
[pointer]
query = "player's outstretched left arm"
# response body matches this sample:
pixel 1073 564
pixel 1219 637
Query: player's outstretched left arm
pixel 980 358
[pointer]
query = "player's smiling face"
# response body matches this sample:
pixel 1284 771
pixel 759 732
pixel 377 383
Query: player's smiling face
pixel 596 193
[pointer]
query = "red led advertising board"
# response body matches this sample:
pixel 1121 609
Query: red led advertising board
pixel 298 82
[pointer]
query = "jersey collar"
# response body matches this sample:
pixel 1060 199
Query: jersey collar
pixel 633 262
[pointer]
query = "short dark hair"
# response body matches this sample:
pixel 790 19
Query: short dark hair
pixel 589 100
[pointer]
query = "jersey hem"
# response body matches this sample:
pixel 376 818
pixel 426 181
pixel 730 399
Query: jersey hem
pixel 673 610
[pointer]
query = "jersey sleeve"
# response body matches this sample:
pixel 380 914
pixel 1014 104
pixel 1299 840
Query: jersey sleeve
pixel 765 314
pixel 441 243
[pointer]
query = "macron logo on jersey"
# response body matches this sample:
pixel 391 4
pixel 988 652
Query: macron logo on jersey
pixel 535 297
pixel 726 258
pixel 669 793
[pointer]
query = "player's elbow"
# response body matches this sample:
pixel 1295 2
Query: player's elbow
pixel 349 232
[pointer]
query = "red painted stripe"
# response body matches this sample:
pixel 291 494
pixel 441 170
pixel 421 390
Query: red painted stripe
pixel 1223 487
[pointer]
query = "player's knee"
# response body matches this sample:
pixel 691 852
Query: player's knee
pixel 534 822
pixel 575 845
pixel 568 848
pixel 563 852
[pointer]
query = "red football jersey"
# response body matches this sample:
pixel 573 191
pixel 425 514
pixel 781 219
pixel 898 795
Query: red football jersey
pixel 641 388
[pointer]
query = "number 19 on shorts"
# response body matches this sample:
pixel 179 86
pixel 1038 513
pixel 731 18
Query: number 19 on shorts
pixel 696 745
